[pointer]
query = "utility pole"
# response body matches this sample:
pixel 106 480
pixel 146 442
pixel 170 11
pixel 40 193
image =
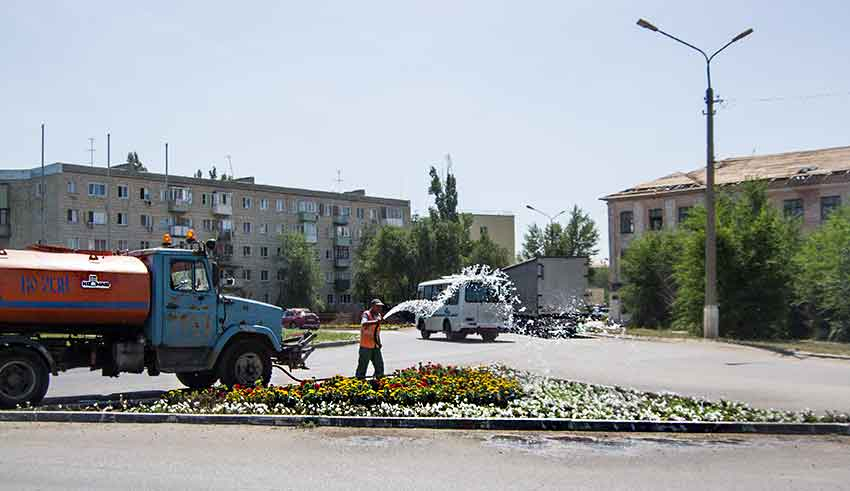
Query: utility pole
pixel 108 194
pixel 43 187
pixel 91 152
pixel 711 312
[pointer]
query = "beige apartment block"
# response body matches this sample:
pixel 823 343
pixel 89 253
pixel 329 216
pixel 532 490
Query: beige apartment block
pixel 500 228
pixel 119 209
pixel 808 184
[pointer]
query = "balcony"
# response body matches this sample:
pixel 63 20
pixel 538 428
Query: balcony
pixel 393 222
pixel 179 230
pixel 341 219
pixel 179 205
pixel 308 216
pixel 342 262
pixel 225 235
pixel 342 285
pixel 5 230
pixel 222 209
pixel 342 241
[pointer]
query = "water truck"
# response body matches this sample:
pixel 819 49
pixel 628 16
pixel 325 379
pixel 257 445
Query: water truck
pixel 158 310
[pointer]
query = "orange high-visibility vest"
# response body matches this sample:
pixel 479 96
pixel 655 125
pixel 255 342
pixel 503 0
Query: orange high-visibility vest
pixel 368 333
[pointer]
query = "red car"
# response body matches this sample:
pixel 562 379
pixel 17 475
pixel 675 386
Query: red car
pixel 299 319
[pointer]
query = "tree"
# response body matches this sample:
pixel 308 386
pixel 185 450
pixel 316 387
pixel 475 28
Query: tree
pixel 486 252
pixel 822 285
pixel 364 264
pixel 445 198
pixel 532 244
pixel 301 272
pixel 135 163
pixel 580 236
pixel 650 286
pixel 754 271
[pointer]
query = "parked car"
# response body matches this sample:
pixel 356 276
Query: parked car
pixel 299 318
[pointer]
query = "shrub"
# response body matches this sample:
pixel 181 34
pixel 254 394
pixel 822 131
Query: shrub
pixel 648 271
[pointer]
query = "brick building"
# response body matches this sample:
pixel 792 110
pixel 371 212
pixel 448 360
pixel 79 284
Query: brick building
pixel 89 208
pixel 808 184
pixel 499 227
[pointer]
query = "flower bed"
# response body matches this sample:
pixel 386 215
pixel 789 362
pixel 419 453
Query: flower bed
pixel 484 392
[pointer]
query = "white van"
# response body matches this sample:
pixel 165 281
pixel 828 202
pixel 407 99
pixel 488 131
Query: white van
pixel 471 310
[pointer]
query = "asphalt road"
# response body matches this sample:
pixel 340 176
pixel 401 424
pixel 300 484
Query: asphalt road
pixel 184 457
pixel 697 368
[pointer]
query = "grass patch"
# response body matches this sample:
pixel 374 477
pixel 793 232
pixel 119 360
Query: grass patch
pixel 356 327
pixel 645 332
pixel 325 336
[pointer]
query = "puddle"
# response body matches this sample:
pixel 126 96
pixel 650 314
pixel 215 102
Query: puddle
pixel 570 445
pixel 374 441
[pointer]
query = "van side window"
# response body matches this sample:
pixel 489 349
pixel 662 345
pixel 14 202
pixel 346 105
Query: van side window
pixel 454 298
pixel 181 276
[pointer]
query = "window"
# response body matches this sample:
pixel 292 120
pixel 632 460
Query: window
pixel 73 243
pixel 279 251
pixel 656 219
pixel 264 275
pixel 96 218
pixel 264 228
pixel 373 214
pixel 345 298
pixel 202 281
pixel 483 230
pixel 246 227
pixel 122 219
pixel 264 251
pixel 123 191
pixel 183 195
pixel 327 254
pixel 100 245
pixel 144 194
pixel 72 188
pixel 73 217
pixel 246 274
pixel 683 213
pixel 247 203
pixel 627 222
pixel 828 204
pixel 278 229
pixel 346 211
pixel 453 300
pixel 123 245
pixel 330 299
pixel 360 213
pixel 342 252
pixel 225 225
pixel 343 231
pixel 97 189
pixel 38 190
pixel 207 225
pixel 792 208
pixel 328 211
pixel 264 204
pixel 278 205
pixel 181 275
pixel 329 276
pixel 281 275
pixel 475 292
pixel 307 206
pixel 144 244
pixel 146 221
pixel 310 232
pixel 246 250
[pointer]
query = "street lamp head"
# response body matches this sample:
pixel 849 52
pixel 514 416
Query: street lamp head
pixel 742 35
pixel 531 207
pixel 646 25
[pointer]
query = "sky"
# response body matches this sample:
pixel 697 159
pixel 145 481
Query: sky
pixel 552 104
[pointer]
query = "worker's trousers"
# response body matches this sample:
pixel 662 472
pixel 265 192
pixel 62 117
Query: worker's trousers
pixel 365 356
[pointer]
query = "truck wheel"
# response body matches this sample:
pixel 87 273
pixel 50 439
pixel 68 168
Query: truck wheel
pixel 489 337
pixel 425 333
pixel 198 380
pixel 24 377
pixel 244 363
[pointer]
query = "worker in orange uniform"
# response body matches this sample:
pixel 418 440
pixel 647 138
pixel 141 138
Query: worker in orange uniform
pixel 370 341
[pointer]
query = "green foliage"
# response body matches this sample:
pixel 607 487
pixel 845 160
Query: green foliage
pixel 647 269
pixel 579 238
pixel 755 277
pixel 445 197
pixel 486 252
pixel 823 280
pixel 301 273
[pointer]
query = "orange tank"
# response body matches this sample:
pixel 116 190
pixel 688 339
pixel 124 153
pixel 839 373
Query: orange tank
pixel 48 289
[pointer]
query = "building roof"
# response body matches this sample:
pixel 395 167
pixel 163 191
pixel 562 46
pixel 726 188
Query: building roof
pixel 802 166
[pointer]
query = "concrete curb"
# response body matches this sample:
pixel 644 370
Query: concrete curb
pixel 781 351
pixel 500 424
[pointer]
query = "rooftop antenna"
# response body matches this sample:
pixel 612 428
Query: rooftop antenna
pixel 91 151
pixel 230 165
pixel 338 180
pixel 448 165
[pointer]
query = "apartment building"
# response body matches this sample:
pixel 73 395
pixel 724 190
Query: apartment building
pixel 93 208
pixel 499 227
pixel 807 184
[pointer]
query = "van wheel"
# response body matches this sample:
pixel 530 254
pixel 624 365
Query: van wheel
pixel 198 380
pixel 244 363
pixel 489 337
pixel 24 377
pixel 422 331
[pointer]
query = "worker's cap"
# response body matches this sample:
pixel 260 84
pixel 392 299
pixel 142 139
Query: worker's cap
pixel 377 302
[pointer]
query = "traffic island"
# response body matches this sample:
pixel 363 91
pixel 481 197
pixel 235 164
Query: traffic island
pixel 447 397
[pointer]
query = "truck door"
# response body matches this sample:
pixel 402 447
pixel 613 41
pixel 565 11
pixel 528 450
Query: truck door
pixel 190 303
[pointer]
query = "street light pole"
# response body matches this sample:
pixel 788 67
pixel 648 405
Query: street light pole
pixel 550 217
pixel 711 313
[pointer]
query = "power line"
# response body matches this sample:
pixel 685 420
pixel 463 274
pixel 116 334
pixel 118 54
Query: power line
pixel 734 102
